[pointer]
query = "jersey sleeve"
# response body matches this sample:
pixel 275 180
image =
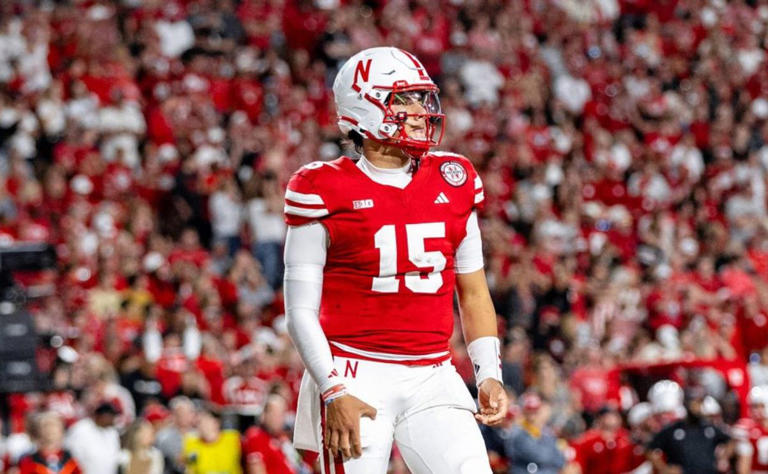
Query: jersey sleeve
pixel 479 191
pixel 304 202
pixel 472 178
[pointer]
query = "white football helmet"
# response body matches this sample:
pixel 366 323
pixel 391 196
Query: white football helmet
pixel 758 401
pixel 375 79
pixel 665 396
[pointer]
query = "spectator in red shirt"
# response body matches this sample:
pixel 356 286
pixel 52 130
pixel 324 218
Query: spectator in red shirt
pixel 606 448
pixel 265 446
pixel 593 382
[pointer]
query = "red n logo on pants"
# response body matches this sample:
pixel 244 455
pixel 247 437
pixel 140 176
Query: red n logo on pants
pixel 350 369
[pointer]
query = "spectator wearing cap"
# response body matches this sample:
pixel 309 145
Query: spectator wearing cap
pixel 170 438
pixel 138 455
pixel 94 441
pixel 529 446
pixel 49 455
pixel 692 445
pixel 212 450
pixel 607 447
pixel 157 415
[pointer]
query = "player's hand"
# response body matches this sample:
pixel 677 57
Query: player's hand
pixel 342 425
pixel 493 402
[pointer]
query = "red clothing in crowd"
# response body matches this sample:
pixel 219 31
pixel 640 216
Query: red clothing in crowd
pixel 59 462
pixel 598 454
pixel 168 370
pixel 751 437
pixel 260 445
pixel 597 386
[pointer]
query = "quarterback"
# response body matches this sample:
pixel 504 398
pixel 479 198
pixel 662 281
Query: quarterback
pixel 376 249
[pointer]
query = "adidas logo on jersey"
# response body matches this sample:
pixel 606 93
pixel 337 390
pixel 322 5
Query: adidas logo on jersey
pixel 362 203
pixel 441 199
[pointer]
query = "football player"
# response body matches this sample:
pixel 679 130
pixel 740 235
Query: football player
pixel 376 248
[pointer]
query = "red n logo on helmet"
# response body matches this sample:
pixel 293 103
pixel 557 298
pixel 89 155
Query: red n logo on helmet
pixel 364 71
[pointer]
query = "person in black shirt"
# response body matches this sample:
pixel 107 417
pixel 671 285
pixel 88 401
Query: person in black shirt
pixel 692 445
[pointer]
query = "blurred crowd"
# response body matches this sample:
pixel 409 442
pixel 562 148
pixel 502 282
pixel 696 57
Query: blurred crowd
pixel 623 145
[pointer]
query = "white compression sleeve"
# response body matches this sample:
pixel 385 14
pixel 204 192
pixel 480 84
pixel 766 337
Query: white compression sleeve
pixel 469 254
pixel 305 251
pixel 485 354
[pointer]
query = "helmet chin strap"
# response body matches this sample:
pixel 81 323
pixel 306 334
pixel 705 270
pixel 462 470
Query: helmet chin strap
pixel 414 154
pixel 415 162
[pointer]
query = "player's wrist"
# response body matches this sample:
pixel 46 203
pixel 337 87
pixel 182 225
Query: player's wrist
pixel 480 382
pixel 486 359
pixel 331 394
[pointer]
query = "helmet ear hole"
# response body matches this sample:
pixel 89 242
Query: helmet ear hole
pixel 388 129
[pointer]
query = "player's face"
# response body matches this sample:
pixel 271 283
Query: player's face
pixel 415 104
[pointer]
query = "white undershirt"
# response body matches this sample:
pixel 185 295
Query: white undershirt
pixel 305 254
pixel 397 177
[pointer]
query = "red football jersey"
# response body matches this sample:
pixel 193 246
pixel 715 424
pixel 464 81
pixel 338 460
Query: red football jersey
pixel 752 438
pixel 389 277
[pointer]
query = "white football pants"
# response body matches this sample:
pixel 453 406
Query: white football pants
pixel 426 410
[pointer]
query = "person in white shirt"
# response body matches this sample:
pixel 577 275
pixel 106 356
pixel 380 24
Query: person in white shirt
pixel 225 209
pixel 94 441
pixel 268 229
pixel 139 456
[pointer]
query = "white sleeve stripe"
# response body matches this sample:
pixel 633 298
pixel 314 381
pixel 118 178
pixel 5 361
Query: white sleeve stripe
pixel 478 183
pixel 298 211
pixel 445 153
pixel 479 197
pixel 302 198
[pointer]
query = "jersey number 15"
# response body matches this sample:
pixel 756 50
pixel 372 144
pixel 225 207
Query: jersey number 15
pixel 386 241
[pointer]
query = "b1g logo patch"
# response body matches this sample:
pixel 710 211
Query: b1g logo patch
pixel 453 173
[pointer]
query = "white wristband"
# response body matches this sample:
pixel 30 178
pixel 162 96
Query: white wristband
pixel 486 358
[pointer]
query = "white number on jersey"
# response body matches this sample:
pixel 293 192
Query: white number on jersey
pixel 313 165
pixel 386 241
